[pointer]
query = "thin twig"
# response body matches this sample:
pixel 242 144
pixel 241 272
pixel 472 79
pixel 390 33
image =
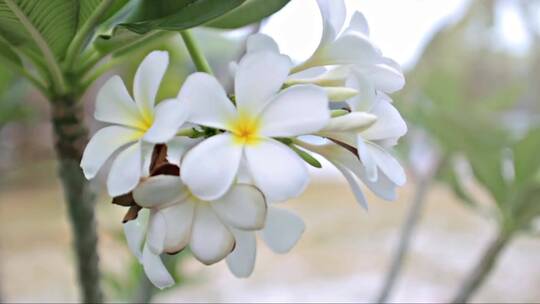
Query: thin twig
pixel 484 267
pixel 407 233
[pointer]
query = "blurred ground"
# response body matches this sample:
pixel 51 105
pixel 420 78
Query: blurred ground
pixel 342 256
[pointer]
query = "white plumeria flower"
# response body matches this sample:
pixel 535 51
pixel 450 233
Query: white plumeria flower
pixel 136 122
pixel 261 114
pixel 352 49
pixel 348 163
pixel 337 47
pixel 281 232
pixel 372 141
pixel 178 219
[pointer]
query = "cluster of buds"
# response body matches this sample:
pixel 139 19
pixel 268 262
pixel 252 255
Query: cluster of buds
pixel 205 169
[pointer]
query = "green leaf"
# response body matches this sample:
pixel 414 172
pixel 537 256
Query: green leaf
pixel 527 156
pixel 308 158
pixel 55 21
pixel 176 15
pixel 249 12
pixel 6 53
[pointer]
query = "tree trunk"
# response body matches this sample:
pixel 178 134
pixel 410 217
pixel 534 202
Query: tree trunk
pixel 71 137
pixel 483 268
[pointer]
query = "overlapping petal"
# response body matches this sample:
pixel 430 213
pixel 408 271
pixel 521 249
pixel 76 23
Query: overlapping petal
pixel 258 78
pixel 283 229
pixel 147 80
pixel 169 115
pixel 114 105
pixel 298 110
pixel 179 221
pixel 211 241
pixel 206 101
pixel 210 168
pixel 243 207
pixel 103 144
pixel 242 260
pixel 160 190
pixel 155 270
pixel 125 171
pixel 278 171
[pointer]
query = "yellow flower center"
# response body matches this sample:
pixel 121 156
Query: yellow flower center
pixel 245 129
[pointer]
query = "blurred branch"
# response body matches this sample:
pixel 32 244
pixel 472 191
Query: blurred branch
pixel 407 232
pixel 483 268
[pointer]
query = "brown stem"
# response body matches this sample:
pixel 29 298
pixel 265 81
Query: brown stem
pixel 71 137
pixel 484 267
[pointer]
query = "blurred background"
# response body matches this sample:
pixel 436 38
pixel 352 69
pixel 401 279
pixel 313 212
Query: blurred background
pixel 472 105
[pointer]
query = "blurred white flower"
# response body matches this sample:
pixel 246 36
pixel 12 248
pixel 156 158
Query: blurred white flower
pixel 135 122
pixel 261 114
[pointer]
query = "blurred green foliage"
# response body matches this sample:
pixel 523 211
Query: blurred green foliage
pixel 463 92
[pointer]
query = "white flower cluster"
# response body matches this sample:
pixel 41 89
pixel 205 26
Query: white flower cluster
pixel 205 168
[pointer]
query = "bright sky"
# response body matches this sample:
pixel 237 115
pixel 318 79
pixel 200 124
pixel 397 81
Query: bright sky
pixel 399 27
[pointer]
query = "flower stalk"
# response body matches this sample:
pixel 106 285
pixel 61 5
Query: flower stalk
pixel 201 64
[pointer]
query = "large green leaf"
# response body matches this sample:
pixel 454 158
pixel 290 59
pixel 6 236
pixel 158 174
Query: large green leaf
pixel 6 54
pixel 176 15
pixel 249 12
pixel 55 22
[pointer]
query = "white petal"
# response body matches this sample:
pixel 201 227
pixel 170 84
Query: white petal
pixel 349 48
pixel 206 101
pixel 242 260
pixel 210 168
pixel 179 219
pixel 147 80
pixel 258 78
pixel 147 152
pixel 367 97
pixel 367 159
pixel 157 229
pixel 338 94
pixel 159 190
pixel 243 207
pixel 353 122
pixel 383 187
pixel 102 145
pixel 261 42
pixel 135 231
pixel 354 184
pixel 333 77
pixel 387 78
pixel 278 171
pixel 114 105
pixel 125 171
pixel 333 13
pixel 389 125
pixel 178 147
pixel 169 115
pixel 358 24
pixel 306 75
pixel 155 270
pixel 210 241
pixel 388 164
pixel 298 110
pixel 283 229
